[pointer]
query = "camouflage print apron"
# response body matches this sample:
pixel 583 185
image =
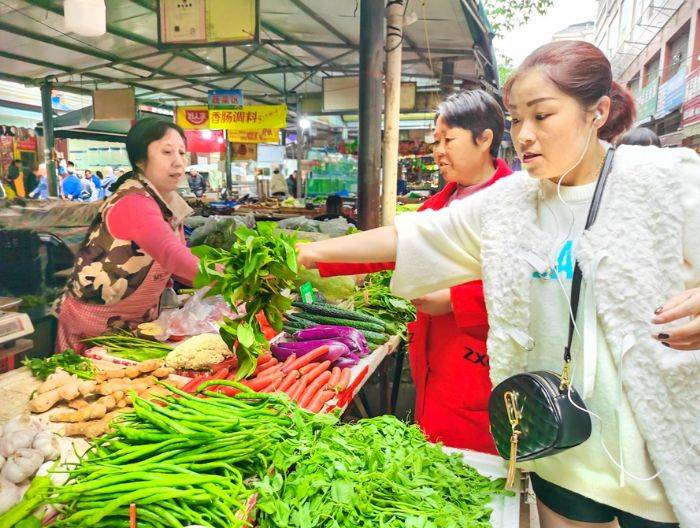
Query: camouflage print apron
pixel 114 283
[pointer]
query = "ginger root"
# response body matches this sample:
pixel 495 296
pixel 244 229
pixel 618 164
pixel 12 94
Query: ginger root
pixel 91 412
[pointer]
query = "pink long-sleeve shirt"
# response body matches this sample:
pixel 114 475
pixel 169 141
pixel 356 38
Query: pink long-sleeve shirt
pixel 138 218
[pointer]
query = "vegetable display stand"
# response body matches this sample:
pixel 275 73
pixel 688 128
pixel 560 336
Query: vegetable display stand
pixel 361 372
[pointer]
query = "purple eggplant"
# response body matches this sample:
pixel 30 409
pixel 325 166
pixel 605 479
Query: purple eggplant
pixel 345 362
pixel 335 349
pixel 332 332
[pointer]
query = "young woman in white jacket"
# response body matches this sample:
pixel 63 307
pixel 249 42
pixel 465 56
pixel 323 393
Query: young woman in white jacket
pixel 522 236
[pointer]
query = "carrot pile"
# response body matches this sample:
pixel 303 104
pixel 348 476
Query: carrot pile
pixel 306 379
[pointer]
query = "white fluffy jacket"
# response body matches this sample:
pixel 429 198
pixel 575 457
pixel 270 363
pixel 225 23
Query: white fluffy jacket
pixel 635 250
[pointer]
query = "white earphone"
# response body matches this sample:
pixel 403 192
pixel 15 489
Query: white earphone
pixel 598 117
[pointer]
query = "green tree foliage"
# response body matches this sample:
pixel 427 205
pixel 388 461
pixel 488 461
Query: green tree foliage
pixel 505 68
pixel 505 15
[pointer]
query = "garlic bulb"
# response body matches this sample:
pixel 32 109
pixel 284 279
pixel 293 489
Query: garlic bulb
pixel 22 465
pixel 47 444
pixel 9 495
pixel 23 422
pixel 16 440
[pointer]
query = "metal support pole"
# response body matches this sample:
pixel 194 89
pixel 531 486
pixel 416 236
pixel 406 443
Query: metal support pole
pixel 370 125
pixel 300 155
pixel 392 100
pixel 47 118
pixel 229 177
pixel 447 77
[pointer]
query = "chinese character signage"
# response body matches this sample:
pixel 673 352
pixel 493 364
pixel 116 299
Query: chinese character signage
pixel 260 118
pixel 193 117
pixel 249 118
pixel 646 101
pixel 225 99
pixel 264 135
pixel 671 94
pixel 244 151
pixel 691 106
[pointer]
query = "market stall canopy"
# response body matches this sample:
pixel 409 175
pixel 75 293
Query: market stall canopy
pixel 300 43
pixel 79 124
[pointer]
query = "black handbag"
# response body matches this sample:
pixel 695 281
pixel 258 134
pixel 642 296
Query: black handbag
pixel 531 414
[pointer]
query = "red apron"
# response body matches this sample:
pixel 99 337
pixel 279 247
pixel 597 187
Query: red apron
pixel 447 355
pixel 450 370
pixel 78 320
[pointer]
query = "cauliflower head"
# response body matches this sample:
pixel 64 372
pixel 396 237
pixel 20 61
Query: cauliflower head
pixel 198 353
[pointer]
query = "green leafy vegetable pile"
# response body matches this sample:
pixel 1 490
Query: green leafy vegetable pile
pixel 255 270
pixel 376 299
pixel 377 472
pixel 68 360
pixel 185 460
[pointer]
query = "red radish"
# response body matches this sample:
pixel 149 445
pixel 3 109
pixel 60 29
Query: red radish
pixel 314 387
pixel 307 358
pixel 320 400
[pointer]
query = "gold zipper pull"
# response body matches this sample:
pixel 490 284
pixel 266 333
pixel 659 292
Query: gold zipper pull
pixel 565 377
pixel 511 402
pixel 510 477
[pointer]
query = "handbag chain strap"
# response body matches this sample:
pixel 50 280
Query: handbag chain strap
pixel 576 282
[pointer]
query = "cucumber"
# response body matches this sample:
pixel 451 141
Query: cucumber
pixel 297 322
pixel 329 310
pixel 375 338
pixel 322 319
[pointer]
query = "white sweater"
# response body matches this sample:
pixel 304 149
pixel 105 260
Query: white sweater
pixel 458 239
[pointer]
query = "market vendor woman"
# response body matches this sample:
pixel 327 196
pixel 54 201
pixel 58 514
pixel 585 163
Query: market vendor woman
pixel 135 244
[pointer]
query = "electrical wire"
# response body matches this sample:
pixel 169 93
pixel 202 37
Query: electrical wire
pixel 617 464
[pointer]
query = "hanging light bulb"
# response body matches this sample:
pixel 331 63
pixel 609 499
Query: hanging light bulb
pixel 87 18
pixel 206 134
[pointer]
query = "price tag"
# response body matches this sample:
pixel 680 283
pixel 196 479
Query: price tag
pixel 306 291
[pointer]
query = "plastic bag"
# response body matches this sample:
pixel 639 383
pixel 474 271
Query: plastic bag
pixel 199 315
pixel 218 231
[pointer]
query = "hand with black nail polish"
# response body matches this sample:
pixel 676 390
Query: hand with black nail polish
pixel 681 309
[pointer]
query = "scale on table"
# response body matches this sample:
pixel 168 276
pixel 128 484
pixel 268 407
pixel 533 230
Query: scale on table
pixel 14 325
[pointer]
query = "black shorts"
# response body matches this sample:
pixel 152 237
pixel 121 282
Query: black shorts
pixel 579 508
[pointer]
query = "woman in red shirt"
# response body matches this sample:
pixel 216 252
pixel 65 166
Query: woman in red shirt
pixel 135 244
pixel 447 342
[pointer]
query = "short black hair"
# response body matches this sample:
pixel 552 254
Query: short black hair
pixel 145 132
pixel 640 136
pixel 334 204
pixel 476 111
pixel 17 161
pixel 71 164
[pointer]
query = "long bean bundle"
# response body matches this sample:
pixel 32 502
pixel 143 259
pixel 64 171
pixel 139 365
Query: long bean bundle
pixel 182 459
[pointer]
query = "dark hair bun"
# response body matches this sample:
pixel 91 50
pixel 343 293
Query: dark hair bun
pixel 622 113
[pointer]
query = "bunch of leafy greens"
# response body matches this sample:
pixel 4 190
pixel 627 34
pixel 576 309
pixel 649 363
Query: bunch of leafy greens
pixel 68 360
pixel 255 270
pixel 376 472
pixel 375 298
